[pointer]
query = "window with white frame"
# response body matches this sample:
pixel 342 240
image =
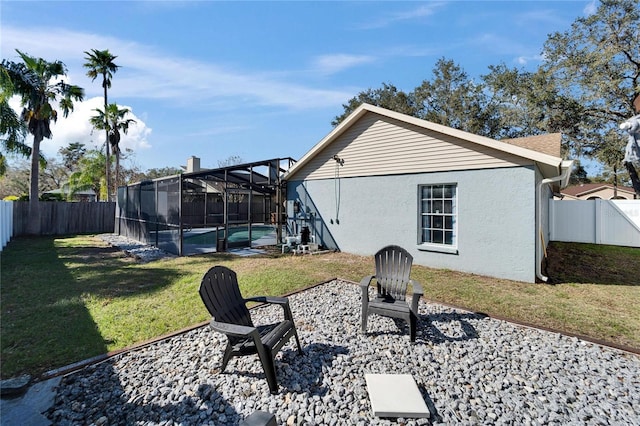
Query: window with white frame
pixel 438 215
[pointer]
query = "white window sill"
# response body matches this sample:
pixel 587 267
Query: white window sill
pixel 438 248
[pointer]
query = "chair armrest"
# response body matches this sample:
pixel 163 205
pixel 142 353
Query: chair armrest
pixel 268 299
pixel 416 287
pixel 364 286
pixel 366 281
pixel 232 329
pixel 282 301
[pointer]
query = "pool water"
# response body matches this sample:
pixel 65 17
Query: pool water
pixel 236 234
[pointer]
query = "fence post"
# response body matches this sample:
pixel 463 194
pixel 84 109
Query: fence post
pixel 10 223
pixel 3 220
pixel 6 222
pixel 552 220
pixel 598 216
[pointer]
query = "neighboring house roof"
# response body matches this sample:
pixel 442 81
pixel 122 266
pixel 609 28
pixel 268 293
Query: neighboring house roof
pixel 548 144
pixel 86 193
pixel 584 190
pixel 549 165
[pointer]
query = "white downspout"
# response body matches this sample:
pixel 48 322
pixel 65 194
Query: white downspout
pixel 565 167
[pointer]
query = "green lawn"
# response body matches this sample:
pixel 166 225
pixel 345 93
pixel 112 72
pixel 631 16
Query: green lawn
pixel 71 298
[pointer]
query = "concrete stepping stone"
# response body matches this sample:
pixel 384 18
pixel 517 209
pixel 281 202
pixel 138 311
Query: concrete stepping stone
pixel 395 395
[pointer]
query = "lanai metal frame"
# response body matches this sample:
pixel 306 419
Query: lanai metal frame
pixel 158 212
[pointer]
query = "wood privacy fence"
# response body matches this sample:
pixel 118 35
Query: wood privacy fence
pixel 613 222
pixel 63 218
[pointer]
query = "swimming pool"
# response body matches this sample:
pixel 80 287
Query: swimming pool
pixel 237 234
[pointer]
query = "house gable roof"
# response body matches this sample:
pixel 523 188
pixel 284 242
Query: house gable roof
pixel 550 166
pixel 549 143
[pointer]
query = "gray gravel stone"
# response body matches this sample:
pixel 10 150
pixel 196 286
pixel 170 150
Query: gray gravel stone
pixel 471 370
pixel 142 252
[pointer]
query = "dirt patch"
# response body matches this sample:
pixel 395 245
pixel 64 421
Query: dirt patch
pixel 591 263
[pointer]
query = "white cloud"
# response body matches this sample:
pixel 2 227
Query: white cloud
pixel 151 74
pixel 524 60
pixel 508 47
pixel 422 11
pixel 76 128
pixel 331 64
pixel 590 8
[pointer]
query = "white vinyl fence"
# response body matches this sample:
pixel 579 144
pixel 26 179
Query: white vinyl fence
pixel 613 222
pixel 6 222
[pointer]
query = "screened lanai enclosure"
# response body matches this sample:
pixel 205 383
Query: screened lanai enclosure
pixel 209 210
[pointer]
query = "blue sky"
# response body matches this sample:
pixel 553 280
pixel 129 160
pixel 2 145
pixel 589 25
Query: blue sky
pixel 262 80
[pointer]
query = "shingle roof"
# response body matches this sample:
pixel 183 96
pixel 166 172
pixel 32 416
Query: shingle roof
pixel 548 143
pixel 587 188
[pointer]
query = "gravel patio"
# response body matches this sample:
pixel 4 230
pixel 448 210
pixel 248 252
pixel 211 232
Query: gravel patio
pixel 470 369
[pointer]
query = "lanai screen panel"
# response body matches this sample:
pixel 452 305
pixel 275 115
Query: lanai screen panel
pixel 149 212
pixel 166 227
pixel 131 220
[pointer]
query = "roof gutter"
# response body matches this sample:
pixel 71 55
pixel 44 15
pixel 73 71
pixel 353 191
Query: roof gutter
pixel 563 178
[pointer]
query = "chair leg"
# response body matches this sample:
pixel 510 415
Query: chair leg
pixel 269 369
pixel 365 314
pixel 226 357
pixel 365 307
pixel 364 323
pixel 412 326
pixel 295 333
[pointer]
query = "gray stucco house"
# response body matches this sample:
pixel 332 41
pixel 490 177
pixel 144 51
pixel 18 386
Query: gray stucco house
pixel 452 199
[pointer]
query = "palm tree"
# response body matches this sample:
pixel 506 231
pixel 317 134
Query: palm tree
pixel 100 63
pixel 90 175
pixel 115 121
pixel 39 83
pixel 12 129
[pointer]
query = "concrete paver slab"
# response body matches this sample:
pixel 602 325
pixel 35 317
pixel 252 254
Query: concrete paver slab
pixel 395 395
pixel 28 409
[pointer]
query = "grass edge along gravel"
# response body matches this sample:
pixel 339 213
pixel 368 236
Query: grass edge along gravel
pixel 67 299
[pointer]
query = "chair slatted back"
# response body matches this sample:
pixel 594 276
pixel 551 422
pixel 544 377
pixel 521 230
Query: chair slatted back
pixel 221 295
pixel 393 267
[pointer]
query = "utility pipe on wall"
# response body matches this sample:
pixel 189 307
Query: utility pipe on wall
pixel 563 178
